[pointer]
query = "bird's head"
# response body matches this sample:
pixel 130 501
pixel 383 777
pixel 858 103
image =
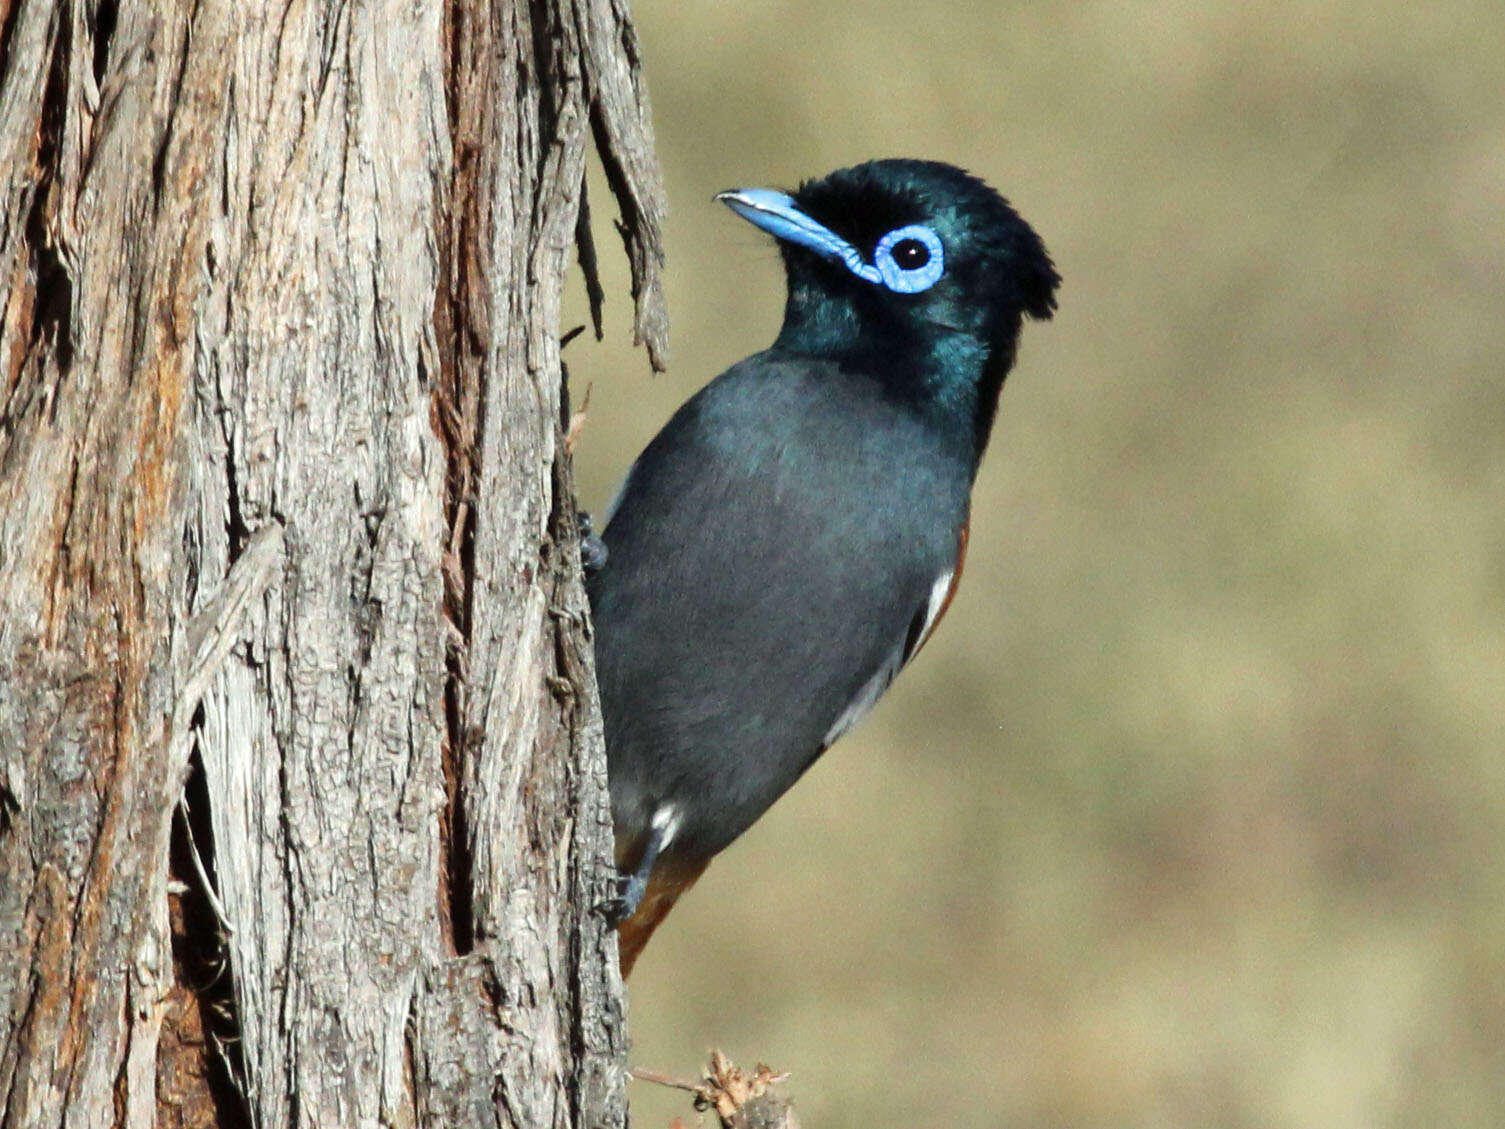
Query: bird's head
pixel 905 259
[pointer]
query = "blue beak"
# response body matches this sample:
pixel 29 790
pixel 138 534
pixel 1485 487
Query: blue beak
pixel 778 214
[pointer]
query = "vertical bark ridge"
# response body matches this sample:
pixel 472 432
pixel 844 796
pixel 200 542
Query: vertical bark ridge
pixel 523 751
pixel 321 735
pixel 284 502
pixel 89 643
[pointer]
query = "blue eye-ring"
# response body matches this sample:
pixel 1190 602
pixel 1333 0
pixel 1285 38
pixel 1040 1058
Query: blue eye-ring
pixel 910 259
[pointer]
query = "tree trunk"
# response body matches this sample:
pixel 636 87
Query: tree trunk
pixel 302 795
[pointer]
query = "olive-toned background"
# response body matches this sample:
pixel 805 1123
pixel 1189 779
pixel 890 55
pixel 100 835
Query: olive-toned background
pixel 1193 814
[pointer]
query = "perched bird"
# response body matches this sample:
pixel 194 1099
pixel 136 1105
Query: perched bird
pixel 791 537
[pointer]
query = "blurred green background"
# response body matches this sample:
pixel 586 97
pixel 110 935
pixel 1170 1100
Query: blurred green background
pixel 1193 813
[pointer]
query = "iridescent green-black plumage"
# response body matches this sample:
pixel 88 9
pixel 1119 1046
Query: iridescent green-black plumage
pixel 790 538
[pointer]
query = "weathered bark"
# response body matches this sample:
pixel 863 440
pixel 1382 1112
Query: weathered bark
pixel 285 521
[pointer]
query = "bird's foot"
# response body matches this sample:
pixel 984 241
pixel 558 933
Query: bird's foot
pixel 630 890
pixel 592 549
pixel 632 887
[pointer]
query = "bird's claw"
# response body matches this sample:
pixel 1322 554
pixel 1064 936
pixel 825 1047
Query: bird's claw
pixel 614 910
pixel 624 903
pixel 593 552
pixel 620 906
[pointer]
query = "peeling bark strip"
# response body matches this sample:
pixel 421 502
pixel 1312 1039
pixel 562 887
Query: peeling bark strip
pixel 283 498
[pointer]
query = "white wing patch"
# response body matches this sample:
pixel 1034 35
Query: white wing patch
pixel 873 688
pixel 939 591
pixel 865 700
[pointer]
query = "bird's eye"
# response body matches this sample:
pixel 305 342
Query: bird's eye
pixel 910 259
pixel 910 254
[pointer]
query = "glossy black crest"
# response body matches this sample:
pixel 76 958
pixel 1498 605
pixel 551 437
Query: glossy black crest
pixel 992 253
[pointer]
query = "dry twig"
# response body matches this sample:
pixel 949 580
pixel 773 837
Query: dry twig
pixel 741 1100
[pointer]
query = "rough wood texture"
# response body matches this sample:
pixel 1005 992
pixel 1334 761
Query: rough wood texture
pixel 285 517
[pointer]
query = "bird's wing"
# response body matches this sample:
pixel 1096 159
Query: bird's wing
pixel 921 627
pixel 780 550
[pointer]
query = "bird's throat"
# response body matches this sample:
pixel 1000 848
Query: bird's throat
pixel 949 374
